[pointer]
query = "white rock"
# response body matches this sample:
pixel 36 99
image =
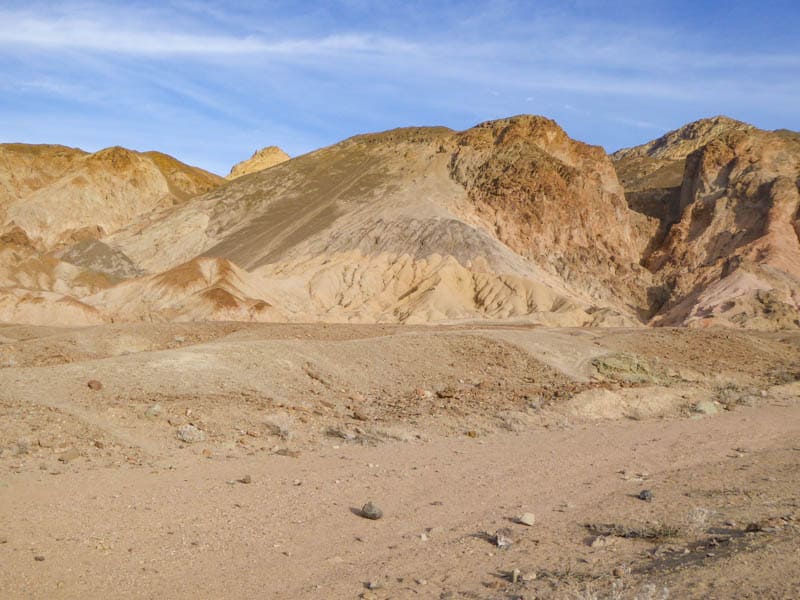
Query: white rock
pixel 526 519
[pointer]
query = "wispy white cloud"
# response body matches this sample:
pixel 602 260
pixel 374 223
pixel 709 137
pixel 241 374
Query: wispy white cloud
pixel 244 70
pixel 21 29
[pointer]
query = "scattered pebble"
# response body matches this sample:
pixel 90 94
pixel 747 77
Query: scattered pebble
pixel 515 574
pixel 38 558
pixel 287 452
pixel 360 414
pixel 95 385
pixel 526 519
pixel 190 434
pixel 23 446
pixel 153 411
pixel 371 511
pixel 645 495
pixel 706 407
pixel 69 455
pixel 503 539
pixel 374 585
pixel 246 479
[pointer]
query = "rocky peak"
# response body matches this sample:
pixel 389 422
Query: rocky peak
pixel 261 159
pixel 678 144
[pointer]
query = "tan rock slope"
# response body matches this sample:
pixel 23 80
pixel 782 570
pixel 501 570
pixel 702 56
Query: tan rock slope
pixel 57 196
pixel 209 289
pixel 510 219
pixel 55 205
pixel 261 159
pixel 724 235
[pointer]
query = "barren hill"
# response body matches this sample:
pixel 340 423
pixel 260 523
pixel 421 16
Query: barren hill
pixel 261 159
pixel 509 219
pixel 720 201
pixel 56 196
pixel 55 204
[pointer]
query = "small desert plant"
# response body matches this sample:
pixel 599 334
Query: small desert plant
pixel 697 519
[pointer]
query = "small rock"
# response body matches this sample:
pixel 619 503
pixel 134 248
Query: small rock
pixel 23 446
pixel 95 385
pixel 69 455
pixel 526 519
pixel 472 433
pixel 446 392
pixel 620 571
pixel 515 575
pixel 288 452
pixel 599 541
pixel 246 479
pixel 153 411
pixel 373 585
pixel 38 558
pixel 340 433
pixel 360 414
pixel 645 495
pixel 179 339
pixel 371 511
pixel 706 407
pixel 190 434
pixel 503 539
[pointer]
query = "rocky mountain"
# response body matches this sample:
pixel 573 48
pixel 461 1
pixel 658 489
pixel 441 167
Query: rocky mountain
pixel 733 256
pixel 57 203
pixel 510 219
pixel 53 196
pixel 261 159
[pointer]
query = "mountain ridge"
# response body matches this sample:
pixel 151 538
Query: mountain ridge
pixel 509 219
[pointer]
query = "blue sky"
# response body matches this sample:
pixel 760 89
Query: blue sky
pixel 210 82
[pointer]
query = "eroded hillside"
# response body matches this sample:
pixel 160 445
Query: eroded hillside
pixel 510 219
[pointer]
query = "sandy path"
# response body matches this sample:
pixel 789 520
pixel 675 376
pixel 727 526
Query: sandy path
pixel 182 531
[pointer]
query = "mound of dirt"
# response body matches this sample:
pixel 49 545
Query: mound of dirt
pixel 44 308
pixel 202 289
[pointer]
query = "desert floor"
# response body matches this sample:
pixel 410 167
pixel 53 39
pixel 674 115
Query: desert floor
pixel 226 460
